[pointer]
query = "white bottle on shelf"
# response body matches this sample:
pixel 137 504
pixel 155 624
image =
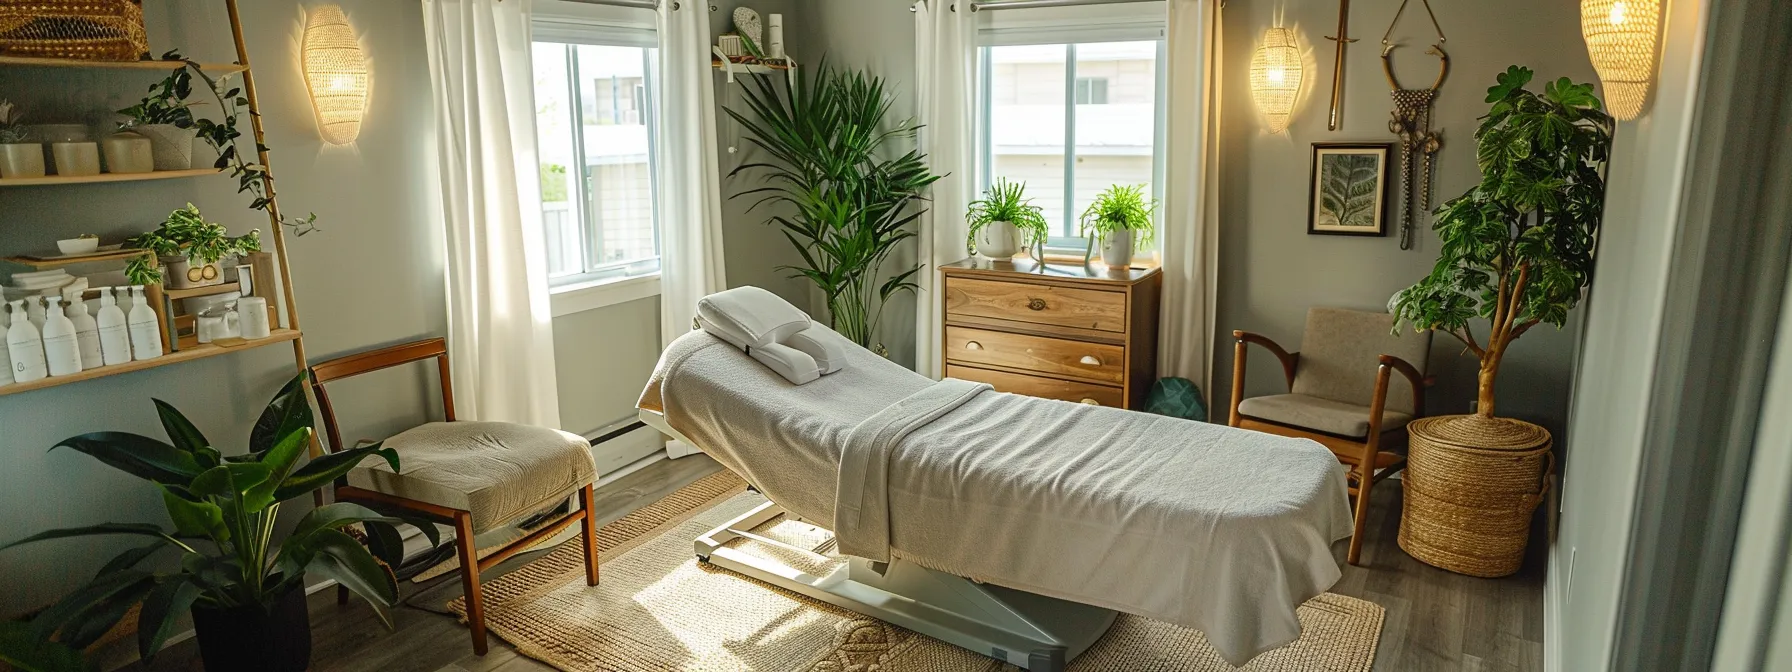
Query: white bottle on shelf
pixel 115 338
pixel 61 349
pixel 87 331
pixel 24 346
pixel 34 311
pixel 146 330
pixel 5 353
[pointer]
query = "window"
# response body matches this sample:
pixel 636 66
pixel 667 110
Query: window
pixel 1071 119
pixel 595 140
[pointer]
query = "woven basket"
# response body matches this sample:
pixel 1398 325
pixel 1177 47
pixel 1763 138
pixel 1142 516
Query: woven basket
pixel 91 30
pixel 1471 485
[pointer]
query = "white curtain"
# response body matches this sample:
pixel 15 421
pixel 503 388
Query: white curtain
pixel 945 81
pixel 1191 193
pixel 500 327
pixel 690 190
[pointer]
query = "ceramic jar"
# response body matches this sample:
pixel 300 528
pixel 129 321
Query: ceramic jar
pixel 75 159
pixel 21 159
pixel 1116 249
pixel 128 152
pixel 172 144
pixel 184 273
pixel 998 240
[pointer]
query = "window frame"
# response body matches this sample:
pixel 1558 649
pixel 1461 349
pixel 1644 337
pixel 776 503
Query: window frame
pixel 604 283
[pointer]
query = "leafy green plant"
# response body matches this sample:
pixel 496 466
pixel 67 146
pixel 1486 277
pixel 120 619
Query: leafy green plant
pixel 185 233
pixel 1517 249
pixel 1121 207
pixel 223 508
pixel 1005 201
pixel 825 138
pixel 165 104
pixel 12 124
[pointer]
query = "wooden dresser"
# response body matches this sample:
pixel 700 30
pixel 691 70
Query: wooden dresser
pixel 1060 332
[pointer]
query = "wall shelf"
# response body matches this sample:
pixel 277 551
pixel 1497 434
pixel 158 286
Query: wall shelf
pixel 41 263
pixel 177 357
pixel 214 290
pixel 30 62
pixel 105 177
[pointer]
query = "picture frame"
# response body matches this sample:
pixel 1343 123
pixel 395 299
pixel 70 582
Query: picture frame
pixel 1348 195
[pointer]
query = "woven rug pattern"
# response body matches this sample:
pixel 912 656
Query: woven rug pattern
pixel 659 609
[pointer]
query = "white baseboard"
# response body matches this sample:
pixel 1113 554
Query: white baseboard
pixel 1554 583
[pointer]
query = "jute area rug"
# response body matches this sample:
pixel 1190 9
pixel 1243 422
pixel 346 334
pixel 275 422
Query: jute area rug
pixel 659 609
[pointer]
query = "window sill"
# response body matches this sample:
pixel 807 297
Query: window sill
pixel 585 296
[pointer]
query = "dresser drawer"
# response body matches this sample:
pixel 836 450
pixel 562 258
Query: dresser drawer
pixel 1039 304
pixel 1095 361
pixel 1035 386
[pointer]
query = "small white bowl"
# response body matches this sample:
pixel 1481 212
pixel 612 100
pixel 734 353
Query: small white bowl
pixel 74 246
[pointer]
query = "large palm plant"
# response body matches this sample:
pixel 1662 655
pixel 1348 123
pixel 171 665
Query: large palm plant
pixel 825 140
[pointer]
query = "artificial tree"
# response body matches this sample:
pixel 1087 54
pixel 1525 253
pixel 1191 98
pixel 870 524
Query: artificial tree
pixel 1517 249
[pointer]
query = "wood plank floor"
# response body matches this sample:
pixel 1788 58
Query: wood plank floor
pixel 1436 620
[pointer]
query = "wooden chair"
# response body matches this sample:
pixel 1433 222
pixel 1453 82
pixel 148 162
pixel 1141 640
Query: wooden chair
pixel 475 476
pixel 1333 398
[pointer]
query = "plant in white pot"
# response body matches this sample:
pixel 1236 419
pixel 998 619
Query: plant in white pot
pixel 1119 220
pixel 189 249
pixel 1004 221
pixel 18 157
pixel 1516 251
pixel 166 118
pixel 244 583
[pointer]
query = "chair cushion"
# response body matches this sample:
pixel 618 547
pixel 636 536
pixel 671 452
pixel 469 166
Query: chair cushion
pixel 498 471
pixel 1339 354
pixel 1320 415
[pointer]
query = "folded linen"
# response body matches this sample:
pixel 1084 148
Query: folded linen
pixel 772 332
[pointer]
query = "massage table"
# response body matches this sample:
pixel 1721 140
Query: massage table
pixel 1012 526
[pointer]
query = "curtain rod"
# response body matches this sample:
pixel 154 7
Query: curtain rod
pixel 1036 4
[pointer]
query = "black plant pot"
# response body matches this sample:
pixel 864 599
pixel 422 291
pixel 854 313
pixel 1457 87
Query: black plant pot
pixel 277 639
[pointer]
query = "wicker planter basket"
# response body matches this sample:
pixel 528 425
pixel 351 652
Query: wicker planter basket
pixel 1471 485
pixel 93 30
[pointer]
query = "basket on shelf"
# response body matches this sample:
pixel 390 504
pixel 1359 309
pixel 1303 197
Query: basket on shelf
pixel 1471 486
pixel 94 30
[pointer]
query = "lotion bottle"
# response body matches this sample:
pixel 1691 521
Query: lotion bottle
pixel 60 346
pixel 87 331
pixel 5 353
pixel 115 339
pixel 25 346
pixel 146 332
pixel 34 311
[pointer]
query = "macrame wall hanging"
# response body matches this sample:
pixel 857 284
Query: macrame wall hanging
pixel 1419 142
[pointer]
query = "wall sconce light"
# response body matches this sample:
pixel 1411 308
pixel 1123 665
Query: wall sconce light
pixel 1276 74
pixel 1621 39
pixel 336 74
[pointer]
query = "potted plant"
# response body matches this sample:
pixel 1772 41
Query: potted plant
pixel 166 118
pixel 247 596
pixel 825 138
pixel 18 158
pixel 190 248
pixel 1119 219
pixel 1517 251
pixel 999 220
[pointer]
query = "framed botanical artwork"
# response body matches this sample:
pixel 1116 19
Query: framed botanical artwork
pixel 1350 189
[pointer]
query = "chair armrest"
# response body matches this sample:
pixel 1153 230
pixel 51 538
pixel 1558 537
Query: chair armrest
pixel 1419 382
pixel 1288 359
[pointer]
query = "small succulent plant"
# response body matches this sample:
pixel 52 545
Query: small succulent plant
pixel 12 126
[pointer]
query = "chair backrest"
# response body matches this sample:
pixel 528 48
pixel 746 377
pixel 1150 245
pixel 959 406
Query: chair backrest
pixel 1340 351
pixel 375 360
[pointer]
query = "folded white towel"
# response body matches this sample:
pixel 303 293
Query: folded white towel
pixel 772 332
pixel 829 354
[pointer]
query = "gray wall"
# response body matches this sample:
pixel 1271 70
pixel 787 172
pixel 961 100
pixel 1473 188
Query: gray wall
pixel 1271 271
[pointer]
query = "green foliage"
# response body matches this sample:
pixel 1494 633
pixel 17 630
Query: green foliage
pixel 185 233
pixel 825 140
pixel 1121 207
pixel 1347 188
pixel 165 104
pixel 1004 201
pixel 1517 249
pixel 223 510
pixel 553 183
pixel 12 124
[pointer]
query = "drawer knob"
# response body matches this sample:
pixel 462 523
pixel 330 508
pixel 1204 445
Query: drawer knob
pixel 1036 304
pixel 1090 360
pixel 973 345
pixel 1090 402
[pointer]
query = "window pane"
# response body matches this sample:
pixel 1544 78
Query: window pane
pixel 1027 123
pixel 554 149
pixel 613 97
pixel 1116 127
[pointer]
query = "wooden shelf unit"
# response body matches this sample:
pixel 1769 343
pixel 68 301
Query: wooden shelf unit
pixel 32 62
pixel 41 263
pixel 177 357
pixel 101 178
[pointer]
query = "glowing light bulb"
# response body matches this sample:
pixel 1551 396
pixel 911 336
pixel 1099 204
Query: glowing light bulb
pixel 1277 76
pixel 1617 17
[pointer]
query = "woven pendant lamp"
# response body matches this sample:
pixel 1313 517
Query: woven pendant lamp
pixel 1276 76
pixel 1621 39
pixel 336 73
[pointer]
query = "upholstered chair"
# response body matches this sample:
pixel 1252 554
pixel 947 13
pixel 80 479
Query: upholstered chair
pixel 1340 394
pixel 474 476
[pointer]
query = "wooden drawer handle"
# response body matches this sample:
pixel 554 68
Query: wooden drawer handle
pixel 973 345
pixel 1091 360
pixel 1036 304
pixel 1090 402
